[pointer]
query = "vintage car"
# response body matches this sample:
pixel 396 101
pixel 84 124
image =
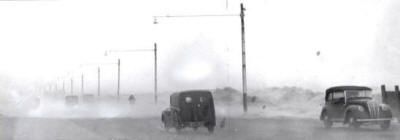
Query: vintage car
pixel 353 105
pixel 192 108
pixel 71 100
pixel 88 98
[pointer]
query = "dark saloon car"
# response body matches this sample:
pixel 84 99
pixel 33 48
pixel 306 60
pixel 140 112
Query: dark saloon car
pixel 194 108
pixel 353 105
pixel 88 98
pixel 71 100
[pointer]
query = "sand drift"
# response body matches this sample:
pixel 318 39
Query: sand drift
pixel 269 102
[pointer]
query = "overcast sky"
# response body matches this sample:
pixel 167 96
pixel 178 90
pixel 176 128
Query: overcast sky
pixel 357 40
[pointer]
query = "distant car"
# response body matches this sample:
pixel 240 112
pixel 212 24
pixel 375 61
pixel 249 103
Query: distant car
pixel 353 105
pixel 194 108
pixel 71 100
pixel 88 98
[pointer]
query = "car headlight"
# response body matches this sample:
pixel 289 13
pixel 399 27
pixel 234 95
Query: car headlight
pixel 360 108
pixel 385 107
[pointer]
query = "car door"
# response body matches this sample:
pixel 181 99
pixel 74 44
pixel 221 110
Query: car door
pixel 336 105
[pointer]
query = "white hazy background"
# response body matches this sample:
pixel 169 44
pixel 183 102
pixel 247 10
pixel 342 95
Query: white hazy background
pixel 44 42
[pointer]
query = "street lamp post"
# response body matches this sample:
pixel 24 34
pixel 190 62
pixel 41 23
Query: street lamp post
pixel 72 86
pixel 56 86
pixel 244 78
pixel 119 76
pixel 98 81
pixel 82 82
pixel 155 73
pixel 63 86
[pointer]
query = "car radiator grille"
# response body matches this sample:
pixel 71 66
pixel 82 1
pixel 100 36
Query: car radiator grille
pixel 373 109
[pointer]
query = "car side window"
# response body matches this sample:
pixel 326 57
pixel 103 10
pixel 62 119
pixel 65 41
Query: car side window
pixel 330 97
pixel 337 95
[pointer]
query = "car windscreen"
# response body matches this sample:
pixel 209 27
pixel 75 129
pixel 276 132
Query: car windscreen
pixel 358 93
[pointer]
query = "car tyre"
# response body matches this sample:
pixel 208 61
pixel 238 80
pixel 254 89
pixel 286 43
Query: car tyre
pixel 210 129
pixel 168 122
pixel 352 121
pixel 385 125
pixel 327 121
pixel 166 127
pixel 178 129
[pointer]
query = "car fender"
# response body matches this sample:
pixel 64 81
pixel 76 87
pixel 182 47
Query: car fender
pixel 164 114
pixel 323 113
pixel 386 113
pixel 170 116
pixel 351 109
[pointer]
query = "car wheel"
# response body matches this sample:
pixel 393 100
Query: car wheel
pixel 166 127
pixel 167 121
pixel 210 129
pixel 179 129
pixel 327 121
pixel 352 120
pixel 385 125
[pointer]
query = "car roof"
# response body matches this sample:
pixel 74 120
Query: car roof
pixel 343 88
pixel 175 97
pixel 190 92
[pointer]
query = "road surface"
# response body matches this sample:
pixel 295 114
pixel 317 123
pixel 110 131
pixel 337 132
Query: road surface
pixel 150 129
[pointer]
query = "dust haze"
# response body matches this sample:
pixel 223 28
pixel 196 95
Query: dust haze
pixel 295 50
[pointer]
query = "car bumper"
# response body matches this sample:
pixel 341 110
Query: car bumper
pixel 194 124
pixel 374 120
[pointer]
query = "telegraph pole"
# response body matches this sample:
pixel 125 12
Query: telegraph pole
pixel 244 79
pixel 98 81
pixel 82 81
pixel 155 73
pixel 63 86
pixel 72 86
pixel 56 86
pixel 119 78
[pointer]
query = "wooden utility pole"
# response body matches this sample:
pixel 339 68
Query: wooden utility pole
pixel 119 78
pixel 63 86
pixel 82 82
pixel 56 86
pixel 98 81
pixel 244 79
pixel 72 86
pixel 155 73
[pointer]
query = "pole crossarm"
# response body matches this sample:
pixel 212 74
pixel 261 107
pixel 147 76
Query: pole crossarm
pixel 134 50
pixel 127 51
pixel 185 16
pixel 193 16
pixel 96 64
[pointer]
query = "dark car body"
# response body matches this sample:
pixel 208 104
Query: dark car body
pixel 88 98
pixel 71 100
pixel 352 105
pixel 192 108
